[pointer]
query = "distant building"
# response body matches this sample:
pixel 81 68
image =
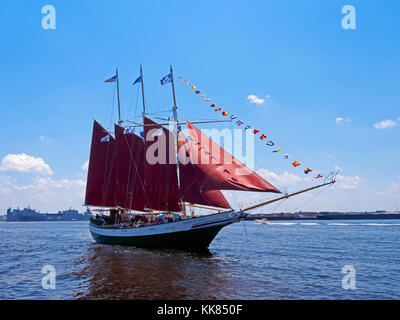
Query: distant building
pixel 28 214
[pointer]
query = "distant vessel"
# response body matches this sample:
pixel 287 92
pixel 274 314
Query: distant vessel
pixel 376 215
pixel 143 203
pixel 359 216
pixel 28 214
pixel 262 221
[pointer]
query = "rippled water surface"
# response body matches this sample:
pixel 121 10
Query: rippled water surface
pixel 281 260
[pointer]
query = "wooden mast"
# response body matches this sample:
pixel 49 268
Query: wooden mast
pixel 175 114
pixel 119 105
pixel 141 80
pixel 144 111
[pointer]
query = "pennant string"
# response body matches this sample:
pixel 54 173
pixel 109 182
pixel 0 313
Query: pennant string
pixel 239 123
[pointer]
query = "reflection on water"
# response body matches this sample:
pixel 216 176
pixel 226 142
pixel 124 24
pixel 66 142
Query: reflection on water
pixel 117 272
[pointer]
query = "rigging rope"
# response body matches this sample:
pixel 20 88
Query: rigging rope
pixel 314 196
pixel 245 230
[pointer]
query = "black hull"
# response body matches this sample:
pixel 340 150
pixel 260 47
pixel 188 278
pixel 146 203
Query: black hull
pixel 196 240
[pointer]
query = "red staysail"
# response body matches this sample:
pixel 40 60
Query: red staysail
pixel 129 169
pixel 160 172
pixel 100 186
pixel 191 190
pixel 216 169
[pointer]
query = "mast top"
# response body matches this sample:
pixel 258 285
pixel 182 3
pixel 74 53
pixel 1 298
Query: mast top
pixel 141 81
pixel 119 104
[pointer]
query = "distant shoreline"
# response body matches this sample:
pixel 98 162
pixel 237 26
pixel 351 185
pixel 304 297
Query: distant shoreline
pixel 356 216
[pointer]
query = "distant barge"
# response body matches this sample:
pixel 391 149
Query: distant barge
pixel 328 216
pixel 28 214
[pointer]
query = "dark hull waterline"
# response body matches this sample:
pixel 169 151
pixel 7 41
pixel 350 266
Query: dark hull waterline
pixel 199 239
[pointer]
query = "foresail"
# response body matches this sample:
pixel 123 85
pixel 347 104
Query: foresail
pixel 217 169
pixel 100 185
pixel 211 198
pixel 160 172
pixel 129 169
pixel 191 190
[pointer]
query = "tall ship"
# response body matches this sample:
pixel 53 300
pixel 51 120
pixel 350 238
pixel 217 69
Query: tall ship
pixel 143 186
pixel 28 214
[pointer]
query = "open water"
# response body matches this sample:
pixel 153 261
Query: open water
pixel 281 260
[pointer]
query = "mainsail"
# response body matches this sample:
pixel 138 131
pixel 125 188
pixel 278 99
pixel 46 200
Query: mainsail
pixel 100 186
pixel 160 168
pixel 216 169
pixel 129 169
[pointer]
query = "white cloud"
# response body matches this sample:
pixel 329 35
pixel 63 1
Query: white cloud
pixel 268 96
pixel 284 179
pixel 392 191
pixel 254 99
pixel 337 168
pixel 45 139
pixel 6 180
pixel 394 188
pixel 341 120
pixel 385 124
pixel 85 166
pixel 25 163
pixel 347 182
pixel 43 193
pixel 43 184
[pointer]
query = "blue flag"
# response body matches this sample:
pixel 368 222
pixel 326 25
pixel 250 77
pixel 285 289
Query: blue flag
pixel 138 80
pixel 112 79
pixel 166 79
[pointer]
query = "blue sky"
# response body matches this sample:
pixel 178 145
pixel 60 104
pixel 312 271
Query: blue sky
pixel 296 52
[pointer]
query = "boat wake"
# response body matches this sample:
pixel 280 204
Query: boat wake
pixel 282 223
pixel 363 224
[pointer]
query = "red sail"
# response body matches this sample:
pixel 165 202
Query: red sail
pixel 100 186
pixel 129 169
pixel 191 190
pixel 219 170
pixel 160 172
